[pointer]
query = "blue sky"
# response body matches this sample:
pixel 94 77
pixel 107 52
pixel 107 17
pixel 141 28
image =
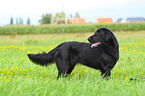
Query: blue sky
pixel 88 9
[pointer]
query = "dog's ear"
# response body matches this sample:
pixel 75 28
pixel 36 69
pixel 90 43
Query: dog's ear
pixel 108 35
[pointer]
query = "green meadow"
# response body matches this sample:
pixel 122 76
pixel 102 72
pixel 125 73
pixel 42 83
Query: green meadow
pixel 20 77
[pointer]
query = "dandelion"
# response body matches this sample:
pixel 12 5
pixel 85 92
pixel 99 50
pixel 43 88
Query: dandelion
pixel 126 49
pixel 126 78
pixel 28 52
pixel 31 68
pixel 7 80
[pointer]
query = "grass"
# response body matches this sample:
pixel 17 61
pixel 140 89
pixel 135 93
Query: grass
pixel 20 77
pixel 69 28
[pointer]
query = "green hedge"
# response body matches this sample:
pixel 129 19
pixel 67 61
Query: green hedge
pixel 68 28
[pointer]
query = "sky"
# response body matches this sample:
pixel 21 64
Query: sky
pixel 88 9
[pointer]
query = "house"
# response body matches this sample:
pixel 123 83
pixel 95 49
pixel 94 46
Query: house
pixel 135 19
pixel 104 20
pixel 121 20
pixel 76 20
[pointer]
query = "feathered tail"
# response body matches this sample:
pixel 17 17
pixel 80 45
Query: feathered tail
pixel 42 58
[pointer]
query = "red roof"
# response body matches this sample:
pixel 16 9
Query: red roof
pixel 104 20
pixel 77 20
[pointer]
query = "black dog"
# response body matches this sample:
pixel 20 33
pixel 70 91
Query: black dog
pixel 101 53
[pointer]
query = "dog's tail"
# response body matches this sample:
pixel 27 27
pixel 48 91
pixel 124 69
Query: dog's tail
pixel 44 58
pixel 41 58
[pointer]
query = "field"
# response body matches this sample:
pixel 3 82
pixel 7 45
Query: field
pixel 20 77
pixel 69 28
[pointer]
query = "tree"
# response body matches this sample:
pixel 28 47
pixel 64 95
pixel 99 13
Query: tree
pixel 60 18
pixel 28 21
pixel 20 21
pixel 17 21
pixel 77 15
pixel 46 19
pixel 11 22
pixel 71 16
pixel 60 15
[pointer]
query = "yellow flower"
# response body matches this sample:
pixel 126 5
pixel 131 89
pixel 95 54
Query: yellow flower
pixel 31 68
pixel 126 78
pixel 126 48
pixel 28 52
pixel 7 80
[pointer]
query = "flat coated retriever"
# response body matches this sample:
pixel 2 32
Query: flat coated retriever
pixel 101 53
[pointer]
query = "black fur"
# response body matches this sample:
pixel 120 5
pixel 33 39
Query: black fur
pixel 68 54
pixel 137 79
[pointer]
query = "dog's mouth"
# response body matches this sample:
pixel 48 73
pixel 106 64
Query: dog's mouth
pixel 95 44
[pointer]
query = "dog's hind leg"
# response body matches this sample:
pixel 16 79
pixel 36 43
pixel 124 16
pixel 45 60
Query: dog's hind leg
pixel 62 70
pixel 107 74
pixel 62 65
pixel 70 70
pixel 102 72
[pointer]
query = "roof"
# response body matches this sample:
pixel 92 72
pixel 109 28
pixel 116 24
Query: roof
pixel 119 19
pixel 136 19
pixel 104 20
pixel 77 20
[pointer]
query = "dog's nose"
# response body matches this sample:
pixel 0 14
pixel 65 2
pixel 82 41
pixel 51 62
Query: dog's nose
pixel 89 38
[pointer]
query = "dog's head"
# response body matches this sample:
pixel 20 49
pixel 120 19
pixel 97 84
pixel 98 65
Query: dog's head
pixel 105 37
pixel 101 35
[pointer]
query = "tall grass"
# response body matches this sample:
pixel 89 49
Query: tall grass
pixel 69 28
pixel 20 77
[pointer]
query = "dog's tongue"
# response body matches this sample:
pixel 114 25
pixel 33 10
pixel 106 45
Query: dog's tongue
pixel 95 44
